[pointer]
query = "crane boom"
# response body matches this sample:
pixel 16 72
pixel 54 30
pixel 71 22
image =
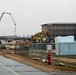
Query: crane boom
pixel 2 15
pixel 12 19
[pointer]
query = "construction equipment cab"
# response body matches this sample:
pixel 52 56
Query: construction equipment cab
pixel 37 38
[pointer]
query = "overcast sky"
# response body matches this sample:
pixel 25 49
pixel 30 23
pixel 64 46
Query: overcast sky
pixel 29 15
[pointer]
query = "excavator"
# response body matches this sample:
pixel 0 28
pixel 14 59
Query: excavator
pixel 37 38
pixel 47 34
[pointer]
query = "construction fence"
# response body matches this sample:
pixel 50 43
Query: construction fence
pixel 61 52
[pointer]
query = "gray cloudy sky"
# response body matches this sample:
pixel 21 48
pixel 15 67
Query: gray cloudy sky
pixel 30 14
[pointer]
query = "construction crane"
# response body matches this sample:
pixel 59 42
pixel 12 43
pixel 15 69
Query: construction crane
pixel 12 19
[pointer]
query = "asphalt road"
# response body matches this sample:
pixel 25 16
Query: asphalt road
pixel 11 67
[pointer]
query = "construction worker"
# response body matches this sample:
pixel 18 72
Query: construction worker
pixel 49 57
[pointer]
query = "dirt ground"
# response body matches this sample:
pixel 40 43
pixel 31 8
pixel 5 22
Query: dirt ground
pixel 39 64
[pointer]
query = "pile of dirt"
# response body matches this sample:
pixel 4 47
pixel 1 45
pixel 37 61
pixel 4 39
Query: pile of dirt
pixel 38 64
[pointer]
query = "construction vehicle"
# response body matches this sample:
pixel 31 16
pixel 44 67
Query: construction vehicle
pixel 26 43
pixel 47 34
pixel 37 38
pixel 40 37
pixel 8 42
pixel 12 19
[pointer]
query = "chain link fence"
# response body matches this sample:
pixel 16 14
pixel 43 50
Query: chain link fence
pixel 38 50
pixel 61 52
pixel 65 53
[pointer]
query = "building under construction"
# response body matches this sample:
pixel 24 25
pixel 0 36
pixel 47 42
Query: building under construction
pixel 60 29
